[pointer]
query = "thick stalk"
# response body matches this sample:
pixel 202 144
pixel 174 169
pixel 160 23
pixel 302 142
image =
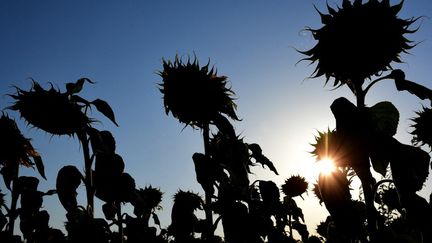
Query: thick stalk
pixel 290 226
pixel 119 221
pixel 208 234
pixel 13 211
pixel 365 175
pixel 82 136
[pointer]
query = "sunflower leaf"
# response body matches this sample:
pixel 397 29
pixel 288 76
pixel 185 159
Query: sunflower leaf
pixel 104 108
pixel 156 219
pixel 224 126
pixel 73 88
pixel 39 165
pixel 385 117
pixel 50 192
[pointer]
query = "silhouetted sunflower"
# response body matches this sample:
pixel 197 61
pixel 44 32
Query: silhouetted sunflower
pixel 151 197
pixel 58 113
pixel 316 191
pixel 15 150
pixel 50 110
pixel 294 186
pixel 328 145
pixel 422 128
pixel 195 95
pixel 359 40
pixel 188 200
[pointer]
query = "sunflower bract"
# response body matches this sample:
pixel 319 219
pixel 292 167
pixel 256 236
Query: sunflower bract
pixel 422 128
pixel 50 110
pixel 195 95
pixel 359 40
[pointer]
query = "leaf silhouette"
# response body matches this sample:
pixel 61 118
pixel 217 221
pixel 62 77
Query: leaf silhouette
pixel 414 88
pixel 385 117
pixel 260 158
pixel 39 165
pixel 224 125
pixel 73 88
pixel 410 86
pixel 156 219
pixel 68 180
pixel 410 168
pixel 104 108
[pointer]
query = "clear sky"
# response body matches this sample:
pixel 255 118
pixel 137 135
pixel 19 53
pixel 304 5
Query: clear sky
pixel 120 46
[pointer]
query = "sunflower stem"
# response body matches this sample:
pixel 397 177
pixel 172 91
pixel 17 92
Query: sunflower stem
pixel 12 212
pixel 82 136
pixel 365 175
pixel 119 221
pixel 208 234
pixel 360 95
pixel 290 226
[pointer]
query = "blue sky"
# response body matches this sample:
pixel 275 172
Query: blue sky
pixel 120 46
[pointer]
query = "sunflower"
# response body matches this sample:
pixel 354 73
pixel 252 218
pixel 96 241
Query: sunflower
pixel 56 112
pixel 195 95
pixel 15 150
pixel 188 200
pixel 422 128
pixel 359 40
pixel 148 199
pixel 294 186
pixel 50 110
pixel 329 144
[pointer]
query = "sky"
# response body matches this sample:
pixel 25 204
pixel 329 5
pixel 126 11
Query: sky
pixel 120 46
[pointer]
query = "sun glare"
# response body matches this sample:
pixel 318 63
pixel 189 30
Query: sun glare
pixel 326 166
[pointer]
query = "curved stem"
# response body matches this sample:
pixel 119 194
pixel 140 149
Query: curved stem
pixel 372 83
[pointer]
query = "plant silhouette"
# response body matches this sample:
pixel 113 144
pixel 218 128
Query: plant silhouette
pixel 359 41
pixel 356 46
pixel 249 212
pixel 63 113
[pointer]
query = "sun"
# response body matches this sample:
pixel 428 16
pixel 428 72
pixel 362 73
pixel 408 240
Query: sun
pixel 326 166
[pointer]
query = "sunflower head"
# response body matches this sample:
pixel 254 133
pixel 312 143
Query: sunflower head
pixel 294 186
pixel 422 127
pixel 14 147
pixel 359 40
pixel 195 95
pixel 316 191
pixel 151 197
pixel 50 110
pixel 15 150
pixel 188 200
pixel 334 188
pixel 330 145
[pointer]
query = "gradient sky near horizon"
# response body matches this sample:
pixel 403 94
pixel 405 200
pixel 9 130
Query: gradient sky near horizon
pixel 120 46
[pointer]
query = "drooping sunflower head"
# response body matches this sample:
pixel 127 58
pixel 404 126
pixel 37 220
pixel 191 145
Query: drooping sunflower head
pixel 14 147
pixel 422 127
pixel 359 40
pixel 294 186
pixel 50 110
pixel 195 95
